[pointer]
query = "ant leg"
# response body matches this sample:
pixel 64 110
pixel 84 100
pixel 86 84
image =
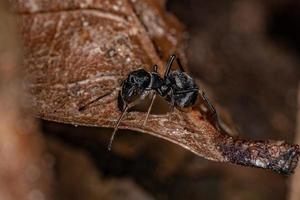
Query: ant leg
pixel 171 106
pixel 149 109
pixel 171 111
pixel 212 110
pixel 116 127
pixel 152 99
pixel 187 91
pixel 180 65
pixel 169 65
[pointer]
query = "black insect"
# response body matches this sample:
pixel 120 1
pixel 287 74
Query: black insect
pixel 177 87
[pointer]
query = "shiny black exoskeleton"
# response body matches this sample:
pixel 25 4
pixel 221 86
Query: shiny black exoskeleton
pixel 177 87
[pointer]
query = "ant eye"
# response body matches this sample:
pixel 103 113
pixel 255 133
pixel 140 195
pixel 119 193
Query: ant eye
pixel 132 79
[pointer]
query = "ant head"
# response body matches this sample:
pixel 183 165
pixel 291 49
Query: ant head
pixel 135 84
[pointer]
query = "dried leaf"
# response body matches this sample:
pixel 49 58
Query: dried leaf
pixel 76 51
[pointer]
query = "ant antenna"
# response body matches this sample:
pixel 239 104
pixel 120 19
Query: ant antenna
pixel 169 64
pixel 179 64
pixel 152 100
pixel 116 128
pixel 81 108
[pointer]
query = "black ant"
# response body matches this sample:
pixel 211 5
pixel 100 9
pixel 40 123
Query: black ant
pixel 177 87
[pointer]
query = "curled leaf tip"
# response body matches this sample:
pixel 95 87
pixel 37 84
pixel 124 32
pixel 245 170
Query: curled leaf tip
pixel 277 156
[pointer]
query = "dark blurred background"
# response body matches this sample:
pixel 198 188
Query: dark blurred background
pixel 246 53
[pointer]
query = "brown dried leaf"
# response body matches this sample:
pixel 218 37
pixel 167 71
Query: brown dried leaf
pixel 76 51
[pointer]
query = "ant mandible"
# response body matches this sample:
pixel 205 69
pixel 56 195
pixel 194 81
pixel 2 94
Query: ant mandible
pixel 177 87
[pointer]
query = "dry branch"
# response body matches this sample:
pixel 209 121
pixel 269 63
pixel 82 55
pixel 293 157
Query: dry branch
pixel 76 51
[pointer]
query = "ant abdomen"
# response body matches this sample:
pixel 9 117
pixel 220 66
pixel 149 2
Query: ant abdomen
pixel 184 91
